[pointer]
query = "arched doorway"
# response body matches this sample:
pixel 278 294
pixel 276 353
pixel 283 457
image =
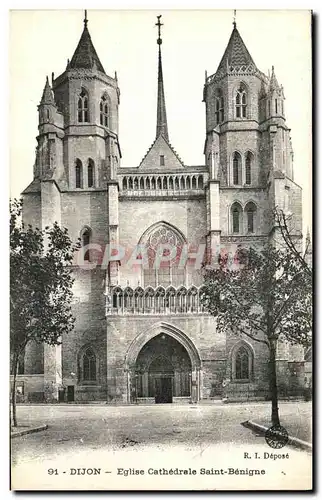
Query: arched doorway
pixel 163 365
pixel 163 370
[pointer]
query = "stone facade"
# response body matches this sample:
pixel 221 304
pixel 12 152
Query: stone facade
pixel 125 314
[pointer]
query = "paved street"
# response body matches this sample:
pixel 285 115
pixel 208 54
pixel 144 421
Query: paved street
pixel 96 431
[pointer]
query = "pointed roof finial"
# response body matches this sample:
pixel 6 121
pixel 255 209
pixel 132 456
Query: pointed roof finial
pixel 159 24
pixel 234 22
pixel 273 81
pixel 47 95
pixel 85 55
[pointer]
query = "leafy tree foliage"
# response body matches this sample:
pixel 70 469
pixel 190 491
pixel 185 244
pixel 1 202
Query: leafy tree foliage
pixel 40 287
pixel 266 296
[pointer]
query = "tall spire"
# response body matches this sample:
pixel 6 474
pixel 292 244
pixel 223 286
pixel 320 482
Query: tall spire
pixel 162 125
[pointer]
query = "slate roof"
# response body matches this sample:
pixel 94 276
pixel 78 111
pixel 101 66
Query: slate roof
pixel 236 53
pixel 85 55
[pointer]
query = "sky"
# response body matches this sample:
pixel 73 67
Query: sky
pixel 194 41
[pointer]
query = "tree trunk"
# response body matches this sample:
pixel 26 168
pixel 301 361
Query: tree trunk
pixel 273 383
pixel 13 394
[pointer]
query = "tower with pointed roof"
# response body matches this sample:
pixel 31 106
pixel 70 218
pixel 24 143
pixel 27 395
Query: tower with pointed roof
pixel 248 149
pixel 141 333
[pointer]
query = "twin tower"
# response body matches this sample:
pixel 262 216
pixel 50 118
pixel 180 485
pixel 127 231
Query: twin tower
pixel 139 332
pixel 248 166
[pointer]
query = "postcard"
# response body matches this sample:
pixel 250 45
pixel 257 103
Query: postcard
pixel 161 250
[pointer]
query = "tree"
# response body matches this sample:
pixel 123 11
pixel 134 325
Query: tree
pixel 283 222
pixel 40 287
pixel 265 296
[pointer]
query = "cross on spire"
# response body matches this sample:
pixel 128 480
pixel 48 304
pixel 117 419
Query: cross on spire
pixel 159 24
pixel 234 22
pixel 85 19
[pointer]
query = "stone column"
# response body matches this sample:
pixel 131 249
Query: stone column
pixel 52 372
pixel 177 383
pixel 145 383
pixel 194 386
pixel 50 212
pixel 213 222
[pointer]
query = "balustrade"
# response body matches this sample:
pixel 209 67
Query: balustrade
pixel 170 300
pixel 169 183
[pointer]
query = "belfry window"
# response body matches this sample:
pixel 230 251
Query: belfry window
pixel 90 173
pixel 250 211
pixel 219 107
pixel 83 115
pixel 89 366
pixel 236 212
pixel 78 174
pixel 235 220
pixel 162 161
pixel 104 114
pixel 248 168
pixel 236 169
pixel 241 102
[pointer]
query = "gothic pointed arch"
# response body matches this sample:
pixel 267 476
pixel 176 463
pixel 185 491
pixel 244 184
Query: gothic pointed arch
pixel 242 361
pixel 236 168
pixel 78 174
pixel 163 244
pixel 88 365
pixel 157 329
pixel 219 106
pixel 90 172
pixel 236 213
pixel 241 101
pixel 83 106
pixel 250 212
pixel 104 110
pixel 86 237
pixel 249 162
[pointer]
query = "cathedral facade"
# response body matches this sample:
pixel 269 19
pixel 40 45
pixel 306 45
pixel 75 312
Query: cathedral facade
pixel 141 333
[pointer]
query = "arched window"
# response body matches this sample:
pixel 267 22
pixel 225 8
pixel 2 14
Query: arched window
pixel 248 167
pixel 242 363
pixel 250 211
pixel 104 114
pixel 86 240
pixel 237 169
pixel 241 102
pixel 83 114
pixel 89 366
pixel 236 212
pixel 79 174
pixel 163 270
pixel 90 173
pixel 219 106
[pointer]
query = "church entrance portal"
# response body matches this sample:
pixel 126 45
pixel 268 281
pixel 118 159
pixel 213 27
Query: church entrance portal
pixel 163 370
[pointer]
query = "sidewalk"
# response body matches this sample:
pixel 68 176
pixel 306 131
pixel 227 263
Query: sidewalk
pixel 22 430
